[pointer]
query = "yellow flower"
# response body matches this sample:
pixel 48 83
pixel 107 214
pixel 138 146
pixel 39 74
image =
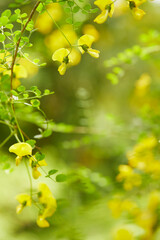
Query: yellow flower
pixel 62 55
pixel 107 9
pixel 49 202
pixel 20 149
pixel 115 207
pixel 129 177
pixel 24 200
pixel 85 43
pixel 44 23
pixel 56 40
pixel 142 85
pixel 31 68
pixel 75 57
pixel 123 234
pixel 137 12
pixel 91 30
pixel 35 164
pixel 154 200
pixel 19 71
pixel 41 222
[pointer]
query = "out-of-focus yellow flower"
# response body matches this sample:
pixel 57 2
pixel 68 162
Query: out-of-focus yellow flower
pixel 20 149
pixel 31 68
pixel 146 219
pixel 85 43
pixel 6 60
pixel 117 206
pixel 35 165
pixel 129 177
pixel 48 202
pixel 137 12
pixel 41 222
pixel 154 200
pixel 142 85
pixel 120 7
pixel 91 30
pixel 123 234
pixel 44 22
pixel 107 9
pixel 56 40
pixel 19 71
pixel 24 200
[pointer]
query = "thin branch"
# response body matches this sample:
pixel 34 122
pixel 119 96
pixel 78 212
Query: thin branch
pixel 18 42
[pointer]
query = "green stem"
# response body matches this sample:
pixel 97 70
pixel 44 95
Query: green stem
pixel 58 27
pixel 7 124
pixel 6 140
pixel 18 126
pixel 30 178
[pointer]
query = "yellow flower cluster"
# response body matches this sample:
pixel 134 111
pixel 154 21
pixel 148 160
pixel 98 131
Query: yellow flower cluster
pixel 49 204
pixel 118 206
pixel 141 158
pixel 128 175
pixel 23 149
pixel 45 202
pixel 66 56
pixel 145 217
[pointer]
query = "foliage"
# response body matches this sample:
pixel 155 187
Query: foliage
pixel 62 32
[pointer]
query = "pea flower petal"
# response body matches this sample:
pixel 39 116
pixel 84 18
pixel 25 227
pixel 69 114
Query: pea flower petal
pixel 21 149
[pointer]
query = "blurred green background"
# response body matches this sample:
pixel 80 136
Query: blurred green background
pixel 107 124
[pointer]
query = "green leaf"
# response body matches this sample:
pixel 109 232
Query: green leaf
pixel 31 142
pixel 4 20
pixel 69 20
pixel 35 103
pixel 13 18
pixel 23 15
pixel 17 11
pixel 113 78
pixel 40 8
pixel 33 88
pixel 39 156
pixel 47 133
pixel 61 178
pixel 70 3
pixel 2 37
pixel 6 13
pixel 76 9
pixel 87 7
pixel 21 88
pixel 67 10
pixel 51 172
pixel 14 93
pixel 25 95
pixel 46 91
pixel 3 97
pixel 9 26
